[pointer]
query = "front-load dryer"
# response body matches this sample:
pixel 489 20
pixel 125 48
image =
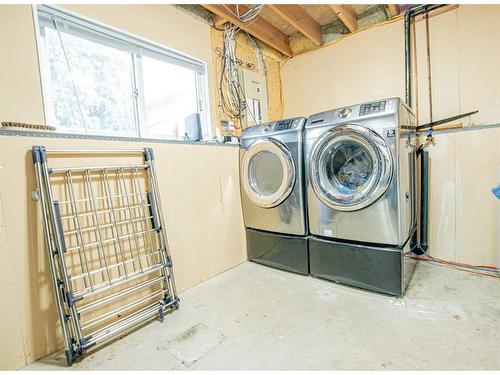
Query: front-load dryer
pixel 360 166
pixel 272 194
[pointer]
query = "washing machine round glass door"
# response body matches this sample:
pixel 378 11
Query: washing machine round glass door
pixel 351 167
pixel 268 172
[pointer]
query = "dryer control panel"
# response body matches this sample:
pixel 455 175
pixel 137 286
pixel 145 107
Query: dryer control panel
pixel 375 107
pixel 270 128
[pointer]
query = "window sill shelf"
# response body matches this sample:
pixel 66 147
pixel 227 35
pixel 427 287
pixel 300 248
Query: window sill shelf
pixel 46 134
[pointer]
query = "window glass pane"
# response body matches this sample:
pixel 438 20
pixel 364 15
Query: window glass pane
pixel 122 83
pixel 169 96
pixel 103 80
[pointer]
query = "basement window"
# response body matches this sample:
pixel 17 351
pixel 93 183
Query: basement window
pixel 100 81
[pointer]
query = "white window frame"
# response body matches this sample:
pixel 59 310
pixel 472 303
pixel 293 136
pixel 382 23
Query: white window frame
pixel 137 46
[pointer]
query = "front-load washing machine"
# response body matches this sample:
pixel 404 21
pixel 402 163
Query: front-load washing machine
pixel 360 165
pixel 272 194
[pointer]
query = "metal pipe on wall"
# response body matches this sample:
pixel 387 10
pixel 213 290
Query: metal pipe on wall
pixel 410 14
pixel 429 67
pixel 408 71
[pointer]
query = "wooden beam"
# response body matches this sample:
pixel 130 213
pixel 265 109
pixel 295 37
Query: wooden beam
pixel 393 9
pixel 218 21
pixel 347 15
pixel 258 27
pixel 297 16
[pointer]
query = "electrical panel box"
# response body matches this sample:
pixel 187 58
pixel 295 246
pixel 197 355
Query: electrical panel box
pixel 254 86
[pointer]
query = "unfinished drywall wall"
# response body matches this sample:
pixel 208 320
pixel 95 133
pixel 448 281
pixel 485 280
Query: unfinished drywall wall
pixel 196 181
pixel 20 89
pixel 10 323
pixel 246 53
pixel 465 56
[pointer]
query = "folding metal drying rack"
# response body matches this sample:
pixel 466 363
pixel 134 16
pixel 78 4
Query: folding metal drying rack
pixel 106 243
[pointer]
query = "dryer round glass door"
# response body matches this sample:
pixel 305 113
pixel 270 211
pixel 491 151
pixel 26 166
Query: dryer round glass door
pixel 351 167
pixel 268 173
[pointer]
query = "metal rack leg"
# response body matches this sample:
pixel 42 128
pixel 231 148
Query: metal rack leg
pixel 65 279
pixel 150 160
pixel 50 252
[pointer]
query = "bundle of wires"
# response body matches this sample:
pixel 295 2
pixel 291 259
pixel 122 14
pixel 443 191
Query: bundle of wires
pixel 231 93
pixel 261 63
pixel 250 14
pixel 490 271
pixel 232 97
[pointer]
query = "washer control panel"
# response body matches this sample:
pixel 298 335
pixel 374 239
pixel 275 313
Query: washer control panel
pixel 283 125
pixel 366 109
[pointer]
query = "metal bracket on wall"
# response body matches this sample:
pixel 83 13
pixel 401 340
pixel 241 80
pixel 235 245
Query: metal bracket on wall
pixel 432 124
pixel 106 244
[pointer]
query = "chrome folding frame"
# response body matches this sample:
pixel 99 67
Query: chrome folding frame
pixel 108 254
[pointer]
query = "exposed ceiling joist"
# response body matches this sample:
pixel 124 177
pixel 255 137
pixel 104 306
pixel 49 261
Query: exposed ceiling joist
pixel 297 16
pixel 347 15
pixel 218 21
pixel 394 9
pixel 258 27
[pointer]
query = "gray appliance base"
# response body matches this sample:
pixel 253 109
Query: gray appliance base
pixel 280 251
pixel 382 269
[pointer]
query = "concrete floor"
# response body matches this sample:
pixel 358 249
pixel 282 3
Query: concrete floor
pixel 254 317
